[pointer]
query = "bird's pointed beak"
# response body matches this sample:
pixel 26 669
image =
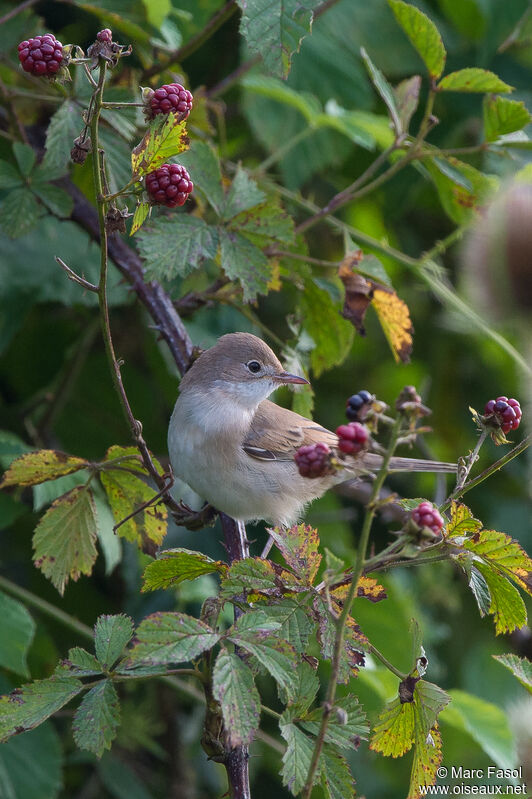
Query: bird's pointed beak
pixel 286 377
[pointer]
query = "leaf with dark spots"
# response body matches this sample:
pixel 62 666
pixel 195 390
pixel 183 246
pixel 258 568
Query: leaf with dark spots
pixel 33 468
pixel 30 705
pixel 171 638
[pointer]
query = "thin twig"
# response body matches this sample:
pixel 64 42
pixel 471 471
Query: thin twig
pixel 76 278
pixel 17 10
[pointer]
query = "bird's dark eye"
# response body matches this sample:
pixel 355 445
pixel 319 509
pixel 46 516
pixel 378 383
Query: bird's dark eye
pixel 253 366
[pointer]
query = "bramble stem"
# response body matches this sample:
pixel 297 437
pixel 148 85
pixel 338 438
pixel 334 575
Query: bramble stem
pixel 346 610
pixel 378 654
pixel 473 457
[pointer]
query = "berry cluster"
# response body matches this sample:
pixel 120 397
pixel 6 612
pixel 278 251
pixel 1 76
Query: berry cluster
pixel 352 437
pixel 426 515
pixel 41 55
pixel 105 36
pixel 506 412
pixel 170 98
pixel 357 405
pixel 169 185
pixel 314 460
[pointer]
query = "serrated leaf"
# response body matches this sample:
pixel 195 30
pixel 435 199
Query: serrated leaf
pixel 473 79
pixel 332 335
pixel 177 245
pixel 79 663
pixel 97 718
pixel 336 777
pixel 165 138
pixel 56 199
pixel 173 566
pixel 28 706
pixel 17 629
pixel 64 541
pixel 393 733
pixel 461 520
pixel 423 35
pixel 255 622
pixel 265 224
pixel 234 688
pixel 520 668
pixel 19 212
pixel 406 96
pixel 243 261
pixel 275 28
pixel 25 157
pixel 431 700
pixel 503 116
pixel 243 194
pixel 204 166
pixel 347 722
pixel 506 604
pixel 296 626
pixel 37 467
pixel 297 758
pixel 250 574
pixel 64 127
pixel 278 657
pixel 299 547
pixel 384 89
pixel 427 757
pixel 171 638
pixel 111 636
pixel 500 550
pixel 142 211
pixel 481 592
pixel 9 176
pixel 307 685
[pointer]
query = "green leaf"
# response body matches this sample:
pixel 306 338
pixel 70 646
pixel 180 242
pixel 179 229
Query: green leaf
pixel 265 224
pixel 250 574
pixel 173 566
pixel 502 116
pixel 305 692
pixel 64 541
pixel 242 195
pixel 393 733
pixel 157 11
pixel 332 335
pixel 450 171
pixel 165 138
pixel 45 493
pixel 362 127
pixel 506 604
pixel 347 723
pixel 336 777
pixel 423 35
pixel 255 621
pixel 384 89
pixel 204 166
pixel 56 200
pixel 19 212
pixel 79 663
pixel 44 464
pixel 17 629
pixel 177 245
pixel 297 758
pixel 431 700
pixel 28 706
pixel 171 638
pixel 461 520
pixel 520 668
pixel 427 757
pixel 296 626
pixel 473 79
pixel 406 96
pixel 243 261
pixel 307 104
pixel 234 688
pixel 486 723
pixel 278 657
pixel 370 266
pixel 109 542
pixel 299 547
pixel 480 591
pixel 459 203
pixel 31 765
pixel 97 718
pixel 142 211
pixel 64 127
pixel 9 176
pixel 275 28
pixel 111 636
pixel 25 157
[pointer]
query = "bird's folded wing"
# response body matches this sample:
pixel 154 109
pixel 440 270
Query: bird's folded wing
pixel 275 434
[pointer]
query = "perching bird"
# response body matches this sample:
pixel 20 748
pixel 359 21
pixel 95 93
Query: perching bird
pixel 236 449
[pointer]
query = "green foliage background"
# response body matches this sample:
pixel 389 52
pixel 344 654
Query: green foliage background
pixel 56 391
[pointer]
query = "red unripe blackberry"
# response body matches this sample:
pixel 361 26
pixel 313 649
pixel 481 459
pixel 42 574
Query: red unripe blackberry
pixel 504 412
pixel 352 437
pixel 105 36
pixel 313 460
pixel 41 55
pixel 170 98
pixel 169 185
pixel 426 515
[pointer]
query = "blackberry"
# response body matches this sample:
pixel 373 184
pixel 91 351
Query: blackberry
pixel 169 185
pixel 105 36
pixel 314 460
pixel 168 98
pixel 356 405
pixel 352 437
pixel 504 413
pixel 426 515
pixel 42 55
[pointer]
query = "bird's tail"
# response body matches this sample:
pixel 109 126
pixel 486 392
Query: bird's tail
pixel 373 462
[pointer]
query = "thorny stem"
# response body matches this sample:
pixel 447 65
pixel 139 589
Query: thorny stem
pixel 463 472
pixel 378 654
pixel 346 610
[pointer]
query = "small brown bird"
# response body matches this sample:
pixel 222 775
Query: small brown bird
pixel 236 449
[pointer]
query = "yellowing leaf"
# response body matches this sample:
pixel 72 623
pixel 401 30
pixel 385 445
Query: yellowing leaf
pixel 473 79
pixel 126 493
pixel 393 734
pixel 139 217
pixel 507 606
pixel 462 520
pixel 299 547
pixel 394 317
pixel 164 138
pixel 176 565
pixel 427 757
pixel 37 467
pixel 423 35
pixel 65 539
